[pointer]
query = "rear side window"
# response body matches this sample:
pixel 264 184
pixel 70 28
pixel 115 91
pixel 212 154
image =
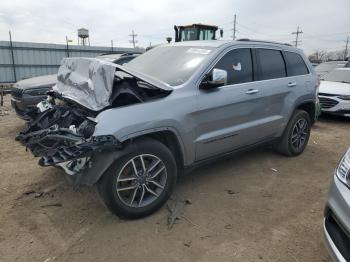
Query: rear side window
pixel 295 64
pixel 238 64
pixel 271 64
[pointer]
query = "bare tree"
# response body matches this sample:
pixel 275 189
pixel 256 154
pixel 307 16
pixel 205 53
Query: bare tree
pixel 320 56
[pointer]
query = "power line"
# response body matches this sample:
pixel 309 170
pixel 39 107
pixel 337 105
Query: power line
pixel 297 33
pixel 133 35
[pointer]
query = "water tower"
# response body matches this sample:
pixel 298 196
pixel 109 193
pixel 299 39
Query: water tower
pixel 83 36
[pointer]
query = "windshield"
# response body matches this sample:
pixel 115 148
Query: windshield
pixel 173 65
pixel 339 75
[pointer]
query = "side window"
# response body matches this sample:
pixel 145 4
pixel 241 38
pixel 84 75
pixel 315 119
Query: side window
pixel 238 64
pixel 295 64
pixel 271 64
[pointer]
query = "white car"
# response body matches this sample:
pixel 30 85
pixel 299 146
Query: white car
pixel 334 92
pixel 326 67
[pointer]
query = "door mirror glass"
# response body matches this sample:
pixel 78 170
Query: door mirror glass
pixel 217 78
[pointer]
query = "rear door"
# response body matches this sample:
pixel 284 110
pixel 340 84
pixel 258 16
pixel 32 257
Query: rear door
pixel 272 77
pixel 230 116
pixel 299 75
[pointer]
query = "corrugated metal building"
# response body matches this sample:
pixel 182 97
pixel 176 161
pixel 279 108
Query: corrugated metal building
pixel 25 59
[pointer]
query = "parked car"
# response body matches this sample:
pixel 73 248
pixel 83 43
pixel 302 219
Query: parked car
pixel 326 67
pixel 29 92
pixel 132 129
pixel 334 92
pixel 337 212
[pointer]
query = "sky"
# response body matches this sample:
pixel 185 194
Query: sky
pixel 325 23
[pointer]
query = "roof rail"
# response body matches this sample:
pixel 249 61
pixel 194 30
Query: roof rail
pixel 261 41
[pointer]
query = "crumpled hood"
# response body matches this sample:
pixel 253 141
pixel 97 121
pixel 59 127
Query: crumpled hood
pixel 38 81
pixel 334 88
pixel 89 81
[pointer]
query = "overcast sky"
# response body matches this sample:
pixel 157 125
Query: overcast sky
pixel 325 23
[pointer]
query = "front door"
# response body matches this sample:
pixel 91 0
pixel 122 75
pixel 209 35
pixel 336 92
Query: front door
pixel 230 116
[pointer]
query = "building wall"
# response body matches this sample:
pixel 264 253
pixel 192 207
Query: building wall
pixel 35 59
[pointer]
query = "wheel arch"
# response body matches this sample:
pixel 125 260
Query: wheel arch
pixel 167 136
pixel 310 108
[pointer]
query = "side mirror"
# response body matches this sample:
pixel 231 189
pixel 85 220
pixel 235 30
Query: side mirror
pixel 216 78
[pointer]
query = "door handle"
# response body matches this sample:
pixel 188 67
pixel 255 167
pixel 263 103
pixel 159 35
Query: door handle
pixel 252 91
pixel 292 84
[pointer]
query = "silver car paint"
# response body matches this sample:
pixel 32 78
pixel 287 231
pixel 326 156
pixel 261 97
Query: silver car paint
pixel 227 118
pixel 339 202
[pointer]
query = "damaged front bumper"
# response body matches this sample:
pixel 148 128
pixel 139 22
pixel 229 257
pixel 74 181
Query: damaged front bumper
pixel 62 136
pixel 79 151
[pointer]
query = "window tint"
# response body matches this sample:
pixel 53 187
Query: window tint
pixel 295 64
pixel 238 64
pixel 271 64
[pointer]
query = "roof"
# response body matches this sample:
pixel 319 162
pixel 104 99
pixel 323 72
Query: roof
pixel 208 43
pixel 343 68
pixel 335 62
pixel 199 25
pixel 219 43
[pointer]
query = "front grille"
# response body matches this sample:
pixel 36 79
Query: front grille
pixel 327 103
pixel 325 94
pixel 338 235
pixel 17 92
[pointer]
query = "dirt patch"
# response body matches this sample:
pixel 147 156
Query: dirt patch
pixel 256 206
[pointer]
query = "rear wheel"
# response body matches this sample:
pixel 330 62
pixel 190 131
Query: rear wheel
pixel 296 135
pixel 139 183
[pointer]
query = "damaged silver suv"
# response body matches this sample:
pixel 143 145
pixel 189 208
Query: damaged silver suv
pixel 132 129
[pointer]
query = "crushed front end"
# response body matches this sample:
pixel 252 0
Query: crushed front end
pixel 62 135
pixel 62 132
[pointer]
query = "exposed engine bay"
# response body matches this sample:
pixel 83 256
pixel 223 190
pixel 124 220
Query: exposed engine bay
pixel 62 131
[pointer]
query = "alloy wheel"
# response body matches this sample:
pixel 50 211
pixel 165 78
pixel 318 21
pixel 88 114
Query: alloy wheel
pixel 141 180
pixel 299 133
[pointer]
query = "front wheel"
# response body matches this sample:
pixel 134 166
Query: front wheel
pixel 140 182
pixel 296 135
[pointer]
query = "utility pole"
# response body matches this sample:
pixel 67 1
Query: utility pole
pixel 297 33
pixel 346 48
pixel 112 46
pixel 67 48
pixel 133 35
pixel 13 59
pixel 234 27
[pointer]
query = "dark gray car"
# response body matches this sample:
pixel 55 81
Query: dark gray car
pixel 132 129
pixel 27 93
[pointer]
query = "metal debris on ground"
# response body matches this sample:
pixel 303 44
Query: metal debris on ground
pixel 188 244
pixel 36 194
pixel 176 209
pixel 52 205
pixel 231 192
pixel 4 111
pixel 228 226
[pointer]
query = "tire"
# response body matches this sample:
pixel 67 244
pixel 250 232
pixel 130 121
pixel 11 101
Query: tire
pixel 288 145
pixel 148 191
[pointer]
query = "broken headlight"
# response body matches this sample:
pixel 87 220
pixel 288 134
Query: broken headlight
pixel 343 169
pixel 87 128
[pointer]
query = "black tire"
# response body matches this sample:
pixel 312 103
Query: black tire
pixel 285 145
pixel 107 185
